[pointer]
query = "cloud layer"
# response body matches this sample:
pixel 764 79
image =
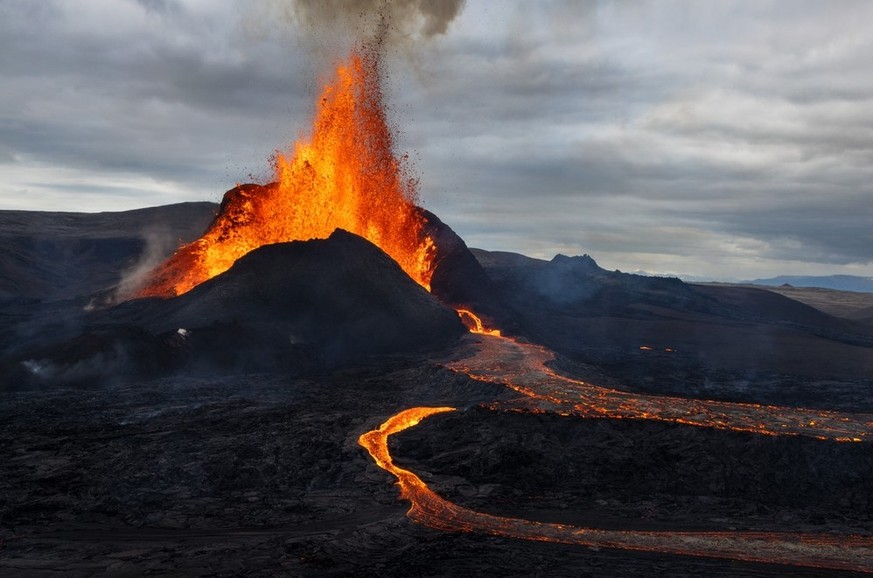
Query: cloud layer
pixel 719 138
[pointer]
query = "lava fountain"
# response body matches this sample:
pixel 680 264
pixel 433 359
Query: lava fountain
pixel 345 176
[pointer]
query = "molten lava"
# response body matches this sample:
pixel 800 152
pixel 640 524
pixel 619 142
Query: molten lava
pixel 474 323
pixel 522 367
pixel 432 510
pixel 346 176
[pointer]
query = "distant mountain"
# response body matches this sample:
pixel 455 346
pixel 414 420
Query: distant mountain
pixel 53 255
pixel 839 282
pixel 662 335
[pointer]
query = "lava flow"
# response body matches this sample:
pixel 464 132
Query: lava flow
pixel 429 509
pixel 522 367
pixel 346 176
pixel 474 323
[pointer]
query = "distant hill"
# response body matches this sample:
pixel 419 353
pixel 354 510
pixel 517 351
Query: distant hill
pixel 846 304
pixel 663 335
pixel 839 282
pixel 55 255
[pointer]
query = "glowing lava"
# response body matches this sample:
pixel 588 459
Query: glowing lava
pixel 429 509
pixel 474 323
pixel 346 176
pixel 522 367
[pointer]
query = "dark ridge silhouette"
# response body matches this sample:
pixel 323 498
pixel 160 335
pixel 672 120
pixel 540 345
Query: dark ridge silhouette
pixel 61 255
pixel 665 336
pixel 290 307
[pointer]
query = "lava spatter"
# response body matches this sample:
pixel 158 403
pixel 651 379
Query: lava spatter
pixel 344 176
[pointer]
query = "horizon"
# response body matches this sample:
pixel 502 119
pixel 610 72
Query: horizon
pixel 721 141
pixel 688 278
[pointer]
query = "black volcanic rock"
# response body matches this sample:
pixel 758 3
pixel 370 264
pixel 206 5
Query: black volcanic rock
pixel 578 286
pixel 665 336
pixel 460 280
pixel 290 307
pixel 342 294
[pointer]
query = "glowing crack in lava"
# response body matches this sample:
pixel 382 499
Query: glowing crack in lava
pixel 520 366
pixel 345 176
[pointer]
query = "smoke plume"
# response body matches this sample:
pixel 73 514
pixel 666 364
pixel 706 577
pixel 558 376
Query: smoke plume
pixel 159 244
pixel 329 26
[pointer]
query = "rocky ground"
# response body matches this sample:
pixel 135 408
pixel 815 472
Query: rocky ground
pixel 262 475
pixel 642 475
pixel 240 473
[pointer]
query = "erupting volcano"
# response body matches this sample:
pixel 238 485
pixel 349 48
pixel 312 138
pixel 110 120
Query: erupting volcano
pixel 345 176
pixel 591 422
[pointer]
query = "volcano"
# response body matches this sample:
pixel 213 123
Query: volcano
pixel 345 176
pixel 289 386
pixel 285 306
pixel 227 416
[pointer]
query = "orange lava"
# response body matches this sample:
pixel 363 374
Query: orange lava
pixel 474 323
pixel 345 176
pixel 376 442
pixel 522 367
pixel 430 509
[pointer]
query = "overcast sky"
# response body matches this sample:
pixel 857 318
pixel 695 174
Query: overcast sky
pixel 727 139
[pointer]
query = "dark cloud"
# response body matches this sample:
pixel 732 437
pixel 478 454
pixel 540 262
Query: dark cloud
pixel 396 20
pixel 156 89
pixel 723 139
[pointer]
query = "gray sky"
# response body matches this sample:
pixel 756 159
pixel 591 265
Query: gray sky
pixel 723 139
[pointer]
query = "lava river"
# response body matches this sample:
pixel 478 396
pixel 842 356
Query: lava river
pixel 521 367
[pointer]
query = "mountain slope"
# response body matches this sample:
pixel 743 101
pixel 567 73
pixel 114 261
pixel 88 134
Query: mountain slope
pixel 54 255
pixel 665 336
pixel 291 307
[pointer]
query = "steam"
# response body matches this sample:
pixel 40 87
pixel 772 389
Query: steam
pixel 159 244
pixel 329 27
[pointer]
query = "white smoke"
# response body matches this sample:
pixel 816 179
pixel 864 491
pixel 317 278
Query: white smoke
pixel 159 244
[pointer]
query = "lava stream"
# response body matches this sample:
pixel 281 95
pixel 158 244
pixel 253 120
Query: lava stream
pixel 521 366
pixel 429 509
pixel 475 323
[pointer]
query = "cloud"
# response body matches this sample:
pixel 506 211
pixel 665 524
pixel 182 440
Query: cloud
pixel 680 133
pixel 713 138
pixel 174 92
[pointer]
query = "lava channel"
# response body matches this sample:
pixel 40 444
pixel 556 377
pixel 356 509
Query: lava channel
pixel 522 368
pixel 431 510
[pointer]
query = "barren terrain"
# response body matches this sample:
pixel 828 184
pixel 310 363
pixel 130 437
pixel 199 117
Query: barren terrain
pixel 231 449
